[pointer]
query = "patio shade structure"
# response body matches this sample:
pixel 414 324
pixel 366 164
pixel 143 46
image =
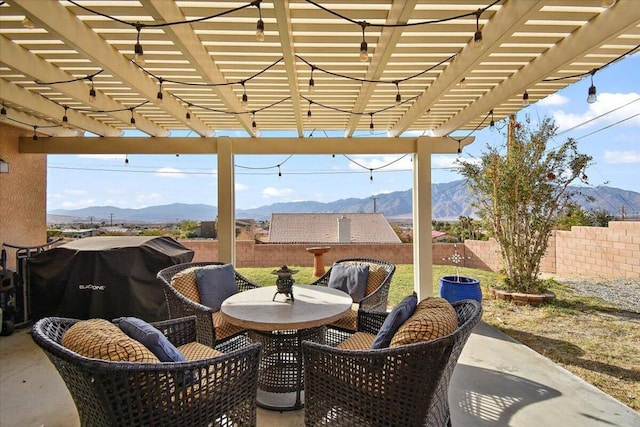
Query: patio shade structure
pixel 79 68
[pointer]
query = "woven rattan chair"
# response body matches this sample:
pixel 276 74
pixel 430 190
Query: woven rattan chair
pixel 228 337
pixel 218 391
pixel 375 300
pixel 397 386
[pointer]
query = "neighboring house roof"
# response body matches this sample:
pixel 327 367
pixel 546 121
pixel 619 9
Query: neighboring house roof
pixel 437 234
pixel 323 228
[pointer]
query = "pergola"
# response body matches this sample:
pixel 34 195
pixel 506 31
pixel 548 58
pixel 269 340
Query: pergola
pixel 76 69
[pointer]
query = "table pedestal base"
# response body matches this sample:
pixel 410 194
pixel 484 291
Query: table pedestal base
pixel 281 374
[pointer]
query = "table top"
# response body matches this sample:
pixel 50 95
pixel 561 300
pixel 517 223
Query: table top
pixel 313 306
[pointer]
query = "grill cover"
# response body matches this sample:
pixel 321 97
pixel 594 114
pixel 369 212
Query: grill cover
pixel 103 277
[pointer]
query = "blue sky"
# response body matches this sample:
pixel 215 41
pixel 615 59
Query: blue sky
pixel 613 140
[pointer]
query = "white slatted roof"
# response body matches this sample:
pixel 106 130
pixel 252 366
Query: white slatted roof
pixel 525 44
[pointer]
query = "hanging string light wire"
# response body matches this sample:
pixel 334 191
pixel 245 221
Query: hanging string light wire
pixel 412 24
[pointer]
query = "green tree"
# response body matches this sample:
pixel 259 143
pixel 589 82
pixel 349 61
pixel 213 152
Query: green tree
pixel 519 191
pixel 600 217
pixel 572 215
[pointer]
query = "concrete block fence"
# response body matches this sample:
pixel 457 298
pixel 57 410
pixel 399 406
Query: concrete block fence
pixel 612 251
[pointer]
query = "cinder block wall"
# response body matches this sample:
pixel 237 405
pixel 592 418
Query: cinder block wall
pixel 583 251
pixel 612 251
pixel 23 214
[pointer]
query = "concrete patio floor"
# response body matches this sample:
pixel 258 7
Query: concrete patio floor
pixel 498 382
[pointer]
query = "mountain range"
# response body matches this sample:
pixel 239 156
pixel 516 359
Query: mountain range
pixel 449 201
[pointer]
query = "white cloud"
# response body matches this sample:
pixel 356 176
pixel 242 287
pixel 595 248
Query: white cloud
pixel 76 192
pixel 606 102
pixel 79 204
pixel 170 172
pixel 444 161
pixel 615 157
pixel 148 197
pixel 374 162
pixel 274 192
pixel 553 99
pixel 240 187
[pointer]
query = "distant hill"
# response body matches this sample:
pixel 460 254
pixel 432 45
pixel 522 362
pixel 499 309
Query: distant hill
pixel 450 200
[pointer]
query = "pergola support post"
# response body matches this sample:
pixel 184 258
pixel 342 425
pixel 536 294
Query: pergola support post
pixel 422 249
pixel 226 225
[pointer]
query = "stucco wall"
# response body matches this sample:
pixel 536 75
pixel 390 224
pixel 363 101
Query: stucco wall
pixel 23 194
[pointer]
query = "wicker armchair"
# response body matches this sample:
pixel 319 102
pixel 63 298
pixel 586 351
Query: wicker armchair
pixel 374 300
pixel 397 386
pixel 228 336
pixel 218 391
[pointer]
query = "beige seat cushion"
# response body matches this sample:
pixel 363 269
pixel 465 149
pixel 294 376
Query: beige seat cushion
pixel 101 339
pixel 350 320
pixel 185 283
pixel 357 341
pixel 433 318
pixel 196 351
pixel 223 328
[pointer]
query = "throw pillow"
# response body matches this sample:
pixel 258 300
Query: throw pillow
pixel 351 279
pixel 216 283
pixel 394 320
pixel 101 339
pixel 151 338
pixel 434 318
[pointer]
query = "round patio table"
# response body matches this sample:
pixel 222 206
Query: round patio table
pixel 281 325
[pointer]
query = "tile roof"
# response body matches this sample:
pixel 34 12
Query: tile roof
pixel 323 228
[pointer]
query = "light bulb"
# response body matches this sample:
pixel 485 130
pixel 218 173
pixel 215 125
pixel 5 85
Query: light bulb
pixel 463 83
pixel 591 98
pixel 160 96
pixel 260 30
pixel 92 95
pixel 188 115
pixel 312 85
pixel 138 56
pixel 245 99
pixel 525 99
pixel 364 54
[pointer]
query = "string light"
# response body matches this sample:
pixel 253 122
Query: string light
pixel 159 97
pixel 245 98
pixel 138 52
pixel 254 126
pixel 35 135
pixel 65 119
pixel 3 111
pixel 309 111
pixel 371 122
pixel 370 174
pixel 463 83
pixel 364 49
pixel 312 83
pixel 126 159
pixel 477 36
pixel 279 171
pixel 398 96
pixel 259 24
pixel 492 123
pixel 133 119
pixel 591 98
pixel 525 99
pixel 92 91
pixel 187 116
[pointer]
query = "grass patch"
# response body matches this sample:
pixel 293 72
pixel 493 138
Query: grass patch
pixel 592 338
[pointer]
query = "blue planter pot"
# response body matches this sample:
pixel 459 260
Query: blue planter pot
pixel 454 288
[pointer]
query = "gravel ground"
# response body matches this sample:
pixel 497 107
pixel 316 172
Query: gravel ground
pixel 623 292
